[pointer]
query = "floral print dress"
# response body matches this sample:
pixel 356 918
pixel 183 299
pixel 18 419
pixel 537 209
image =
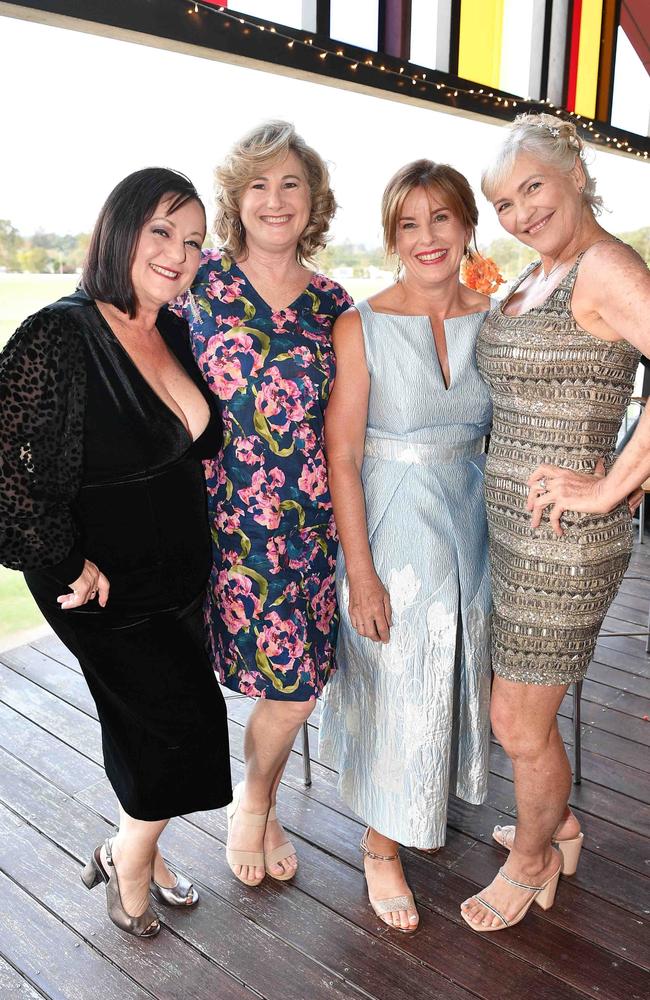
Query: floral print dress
pixel 271 608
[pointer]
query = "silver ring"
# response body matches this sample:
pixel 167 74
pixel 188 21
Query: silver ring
pixel 542 485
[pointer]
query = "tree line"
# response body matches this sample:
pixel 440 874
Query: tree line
pixel 55 254
pixel 41 253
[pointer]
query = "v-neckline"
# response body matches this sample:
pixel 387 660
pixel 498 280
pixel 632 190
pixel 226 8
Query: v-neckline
pixel 146 382
pixel 267 305
pixel 447 319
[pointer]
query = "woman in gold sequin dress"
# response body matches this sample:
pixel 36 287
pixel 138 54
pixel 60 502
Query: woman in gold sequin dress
pixel 560 356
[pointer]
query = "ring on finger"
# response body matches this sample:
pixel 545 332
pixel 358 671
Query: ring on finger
pixel 542 485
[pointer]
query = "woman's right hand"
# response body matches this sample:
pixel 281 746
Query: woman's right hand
pixel 90 584
pixel 369 608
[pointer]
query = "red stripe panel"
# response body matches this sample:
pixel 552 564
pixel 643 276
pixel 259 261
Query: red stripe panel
pixel 573 56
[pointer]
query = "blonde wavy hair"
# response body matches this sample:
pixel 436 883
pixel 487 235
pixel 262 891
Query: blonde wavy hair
pixel 268 144
pixel 548 139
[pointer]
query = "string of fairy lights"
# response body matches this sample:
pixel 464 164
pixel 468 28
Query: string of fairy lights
pixel 404 74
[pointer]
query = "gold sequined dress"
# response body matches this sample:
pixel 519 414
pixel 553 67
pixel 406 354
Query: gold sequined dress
pixel 559 397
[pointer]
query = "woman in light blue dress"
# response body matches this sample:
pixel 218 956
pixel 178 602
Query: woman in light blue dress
pixel 405 718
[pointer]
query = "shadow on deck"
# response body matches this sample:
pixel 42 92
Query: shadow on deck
pixel 316 938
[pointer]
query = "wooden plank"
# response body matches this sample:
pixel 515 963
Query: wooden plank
pixel 597 873
pixel 609 720
pixel 622 680
pixel 214 928
pixel 606 744
pixel 56 960
pixel 609 697
pixel 52 676
pixel 593 798
pixel 51 810
pixel 611 774
pixel 64 767
pixel 304 911
pixel 12 984
pixel 52 646
pixel 338 835
pixel 588 918
pixel 71 725
pixel 165 966
pixel 427 878
pixel 609 840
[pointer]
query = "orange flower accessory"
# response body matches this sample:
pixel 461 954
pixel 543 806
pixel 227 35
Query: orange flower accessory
pixel 481 273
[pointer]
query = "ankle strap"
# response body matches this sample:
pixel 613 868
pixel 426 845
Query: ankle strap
pixel 108 847
pixel 365 850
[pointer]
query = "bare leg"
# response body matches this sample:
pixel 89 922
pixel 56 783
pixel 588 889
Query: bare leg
pixel 270 732
pixel 524 721
pixel 386 879
pixel 134 848
pixel 274 834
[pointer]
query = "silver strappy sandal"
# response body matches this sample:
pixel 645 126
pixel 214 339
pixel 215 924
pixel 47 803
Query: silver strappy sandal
pixel 383 906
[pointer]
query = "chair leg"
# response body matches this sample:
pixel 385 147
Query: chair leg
pixel 641 518
pixel 306 762
pixel 577 738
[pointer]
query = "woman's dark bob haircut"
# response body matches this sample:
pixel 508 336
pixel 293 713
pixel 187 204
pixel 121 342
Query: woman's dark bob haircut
pixel 129 206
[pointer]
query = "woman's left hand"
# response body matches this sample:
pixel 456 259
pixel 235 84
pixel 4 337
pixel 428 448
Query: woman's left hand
pixel 563 489
pixel 634 500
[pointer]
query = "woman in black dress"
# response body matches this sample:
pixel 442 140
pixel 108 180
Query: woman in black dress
pixel 105 420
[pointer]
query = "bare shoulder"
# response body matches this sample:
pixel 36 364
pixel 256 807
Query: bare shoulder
pixel 611 260
pixel 347 322
pixel 475 301
pixel 347 332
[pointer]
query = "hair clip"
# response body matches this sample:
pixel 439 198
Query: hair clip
pixel 549 128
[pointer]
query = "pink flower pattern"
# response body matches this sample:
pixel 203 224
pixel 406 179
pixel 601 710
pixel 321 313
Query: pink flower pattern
pixel 271 608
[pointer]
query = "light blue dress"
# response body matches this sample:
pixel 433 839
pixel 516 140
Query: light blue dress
pixel 407 722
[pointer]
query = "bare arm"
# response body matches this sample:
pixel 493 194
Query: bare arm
pixel 614 303
pixel 345 432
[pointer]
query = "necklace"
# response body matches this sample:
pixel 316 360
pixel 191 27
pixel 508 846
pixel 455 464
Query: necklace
pixel 553 269
pixel 545 277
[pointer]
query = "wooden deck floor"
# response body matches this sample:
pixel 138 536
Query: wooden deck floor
pixel 317 938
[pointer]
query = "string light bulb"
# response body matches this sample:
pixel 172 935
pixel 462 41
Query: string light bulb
pixel 427 87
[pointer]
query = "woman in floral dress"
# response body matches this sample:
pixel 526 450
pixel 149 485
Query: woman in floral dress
pixel 261 333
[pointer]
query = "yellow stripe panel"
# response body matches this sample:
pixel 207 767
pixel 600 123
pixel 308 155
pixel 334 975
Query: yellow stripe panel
pixel 481 30
pixel 589 57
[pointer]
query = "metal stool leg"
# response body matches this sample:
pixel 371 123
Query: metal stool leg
pixel 306 762
pixel 577 745
pixel 641 518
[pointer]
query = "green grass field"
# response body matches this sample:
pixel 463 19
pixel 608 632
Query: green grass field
pixel 23 294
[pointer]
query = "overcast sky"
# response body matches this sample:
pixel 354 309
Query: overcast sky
pixel 79 112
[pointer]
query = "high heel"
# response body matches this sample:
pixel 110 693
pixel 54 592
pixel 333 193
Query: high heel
pixel 182 893
pixel 383 906
pixel 281 853
pixel 146 925
pixel 544 896
pixel 569 849
pixel 252 859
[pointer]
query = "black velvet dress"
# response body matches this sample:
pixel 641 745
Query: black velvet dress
pixel 95 465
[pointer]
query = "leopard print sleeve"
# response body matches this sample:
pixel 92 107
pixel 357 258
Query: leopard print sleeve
pixel 42 399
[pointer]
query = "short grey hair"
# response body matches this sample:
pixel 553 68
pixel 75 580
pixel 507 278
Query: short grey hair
pixel 549 139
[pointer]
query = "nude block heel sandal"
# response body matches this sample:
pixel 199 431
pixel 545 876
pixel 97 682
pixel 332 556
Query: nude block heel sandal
pixel 569 849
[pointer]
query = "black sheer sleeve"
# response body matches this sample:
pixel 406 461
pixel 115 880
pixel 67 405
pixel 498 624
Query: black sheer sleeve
pixel 42 400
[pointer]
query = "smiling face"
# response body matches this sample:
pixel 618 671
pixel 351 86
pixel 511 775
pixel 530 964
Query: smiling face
pixel 168 252
pixel 540 205
pixel 430 238
pixel 275 207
